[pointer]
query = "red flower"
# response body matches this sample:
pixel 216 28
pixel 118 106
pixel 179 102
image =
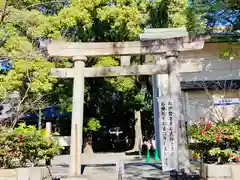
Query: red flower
pixel 232 155
pixel 229 137
pixel 20 136
pixel 209 124
pixel 19 143
pixel 218 138
pixel 220 131
pixel 203 132
pixel 237 158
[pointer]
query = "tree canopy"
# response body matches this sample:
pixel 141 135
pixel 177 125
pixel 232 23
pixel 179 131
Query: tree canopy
pixel 28 24
pixel 219 13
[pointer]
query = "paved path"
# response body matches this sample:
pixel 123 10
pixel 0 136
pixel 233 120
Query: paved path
pixel 103 167
pixel 104 158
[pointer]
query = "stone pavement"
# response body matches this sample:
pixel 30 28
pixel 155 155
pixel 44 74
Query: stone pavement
pixel 103 167
pixel 96 158
pixel 132 172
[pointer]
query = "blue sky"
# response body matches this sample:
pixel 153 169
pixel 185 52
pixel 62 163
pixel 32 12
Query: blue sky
pixel 232 16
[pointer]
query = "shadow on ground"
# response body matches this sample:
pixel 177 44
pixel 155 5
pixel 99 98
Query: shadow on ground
pixel 184 177
pixel 126 165
pixel 133 171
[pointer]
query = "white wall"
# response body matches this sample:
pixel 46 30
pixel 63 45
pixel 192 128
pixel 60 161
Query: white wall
pixel 205 65
pixel 211 67
pixel 199 104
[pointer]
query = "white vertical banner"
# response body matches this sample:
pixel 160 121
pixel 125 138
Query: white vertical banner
pixel 168 133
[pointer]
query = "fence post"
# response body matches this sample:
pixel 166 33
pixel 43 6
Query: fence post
pixel 120 169
pixel 48 130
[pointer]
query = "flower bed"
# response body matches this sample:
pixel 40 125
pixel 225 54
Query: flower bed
pixel 23 148
pixel 218 145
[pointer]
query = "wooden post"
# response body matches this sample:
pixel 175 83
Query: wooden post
pixel 39 118
pixel 176 95
pixel 77 117
pixel 48 130
pixel 120 169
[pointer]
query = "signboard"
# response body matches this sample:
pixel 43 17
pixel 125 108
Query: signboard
pixel 168 134
pixel 227 101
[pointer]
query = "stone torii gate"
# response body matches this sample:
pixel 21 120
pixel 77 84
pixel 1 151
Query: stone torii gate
pixel 169 47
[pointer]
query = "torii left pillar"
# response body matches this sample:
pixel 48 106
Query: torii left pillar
pixel 77 117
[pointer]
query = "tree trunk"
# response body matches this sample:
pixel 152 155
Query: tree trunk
pixel 138 131
pixel 88 144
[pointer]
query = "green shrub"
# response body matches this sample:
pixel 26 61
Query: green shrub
pixel 25 144
pixel 216 142
pixel 9 150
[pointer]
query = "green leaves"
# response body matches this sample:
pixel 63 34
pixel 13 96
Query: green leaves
pixel 36 72
pixel 25 144
pixel 106 61
pixel 221 139
pixel 93 124
pixel 82 21
pixel 124 21
pixel 120 83
pixel 219 152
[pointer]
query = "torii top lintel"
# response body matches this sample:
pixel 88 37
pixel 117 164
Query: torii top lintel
pixel 72 49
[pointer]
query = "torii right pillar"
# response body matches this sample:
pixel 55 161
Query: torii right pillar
pixel 176 95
